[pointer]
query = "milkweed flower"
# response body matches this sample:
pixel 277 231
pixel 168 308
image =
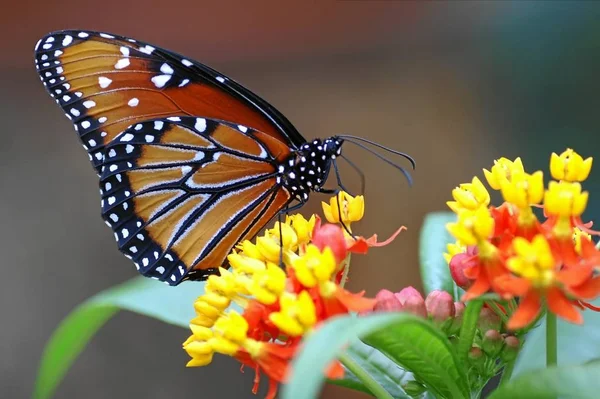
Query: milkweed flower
pixel 280 305
pixel 545 263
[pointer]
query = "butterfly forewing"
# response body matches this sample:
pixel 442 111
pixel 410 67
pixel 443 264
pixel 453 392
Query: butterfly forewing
pixel 105 83
pixel 180 192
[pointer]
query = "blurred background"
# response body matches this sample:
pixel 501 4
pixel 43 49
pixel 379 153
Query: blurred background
pixel 454 84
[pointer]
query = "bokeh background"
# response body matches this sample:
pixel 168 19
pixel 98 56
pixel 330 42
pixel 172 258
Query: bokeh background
pixel 455 84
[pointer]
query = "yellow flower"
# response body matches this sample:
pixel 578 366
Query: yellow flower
pixel 267 285
pixel 523 189
pixel 533 261
pixel 232 327
pixel 353 208
pixel 242 263
pixel 502 171
pixel 565 199
pixel 570 166
pixel 472 226
pixel 250 250
pixel 225 285
pixel 290 239
pixel 453 249
pixel 314 266
pixel 303 227
pixel 469 196
pixel 200 352
pixel 297 314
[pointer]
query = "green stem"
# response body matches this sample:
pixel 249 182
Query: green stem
pixel 507 372
pixel 494 306
pixel 377 390
pixel 551 339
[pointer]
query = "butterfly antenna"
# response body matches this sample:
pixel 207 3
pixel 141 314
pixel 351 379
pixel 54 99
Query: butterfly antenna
pixel 384 159
pixel 358 170
pixel 402 154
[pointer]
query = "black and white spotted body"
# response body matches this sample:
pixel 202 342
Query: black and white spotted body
pixel 307 169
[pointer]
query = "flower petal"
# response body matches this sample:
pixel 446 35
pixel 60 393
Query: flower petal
pixel 563 307
pixel 526 313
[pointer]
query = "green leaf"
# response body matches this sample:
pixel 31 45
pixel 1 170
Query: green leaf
pixel 387 373
pixel 580 382
pixel 468 329
pixel 141 295
pixel 413 343
pixel 576 343
pixel 432 245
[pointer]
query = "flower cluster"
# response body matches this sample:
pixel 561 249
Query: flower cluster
pixel 512 252
pixel 280 305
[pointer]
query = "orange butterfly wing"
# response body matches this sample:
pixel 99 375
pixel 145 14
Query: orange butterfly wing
pixel 180 186
pixel 180 192
pixel 105 83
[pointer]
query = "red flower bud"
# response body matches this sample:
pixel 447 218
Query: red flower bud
pixel 488 320
pixel 440 306
pixel 459 263
pixel 387 302
pixel 332 236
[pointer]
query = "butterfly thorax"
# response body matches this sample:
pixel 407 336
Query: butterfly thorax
pixel 307 168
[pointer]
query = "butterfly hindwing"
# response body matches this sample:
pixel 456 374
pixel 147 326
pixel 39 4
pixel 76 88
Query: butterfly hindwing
pixel 180 192
pixel 105 82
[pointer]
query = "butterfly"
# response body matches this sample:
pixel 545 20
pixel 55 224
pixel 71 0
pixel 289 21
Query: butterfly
pixel 190 162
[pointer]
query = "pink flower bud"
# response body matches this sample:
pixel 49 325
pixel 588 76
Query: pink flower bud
pixel 332 236
pixel 415 306
pixel 440 306
pixel 489 320
pixel 387 302
pixel 412 301
pixel 459 263
pixel 408 292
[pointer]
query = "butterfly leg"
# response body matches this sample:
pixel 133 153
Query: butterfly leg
pixel 285 211
pixel 335 192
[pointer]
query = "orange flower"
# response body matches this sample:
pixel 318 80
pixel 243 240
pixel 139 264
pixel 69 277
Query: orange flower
pixel 538 277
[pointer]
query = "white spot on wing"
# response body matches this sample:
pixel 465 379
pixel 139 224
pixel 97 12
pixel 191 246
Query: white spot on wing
pixel 83 34
pixel 186 63
pixel 67 40
pixel 158 125
pixel 133 102
pixel 127 137
pixel 147 49
pixel 221 79
pixel 200 124
pixel 122 63
pixel 104 82
pixel 89 104
pixel 160 80
pixel 166 68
